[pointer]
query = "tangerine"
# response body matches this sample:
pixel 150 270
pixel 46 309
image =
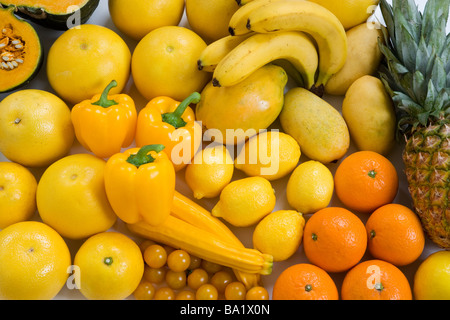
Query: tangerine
pixel 334 239
pixel 375 280
pixel 366 180
pixel 395 234
pixel 304 281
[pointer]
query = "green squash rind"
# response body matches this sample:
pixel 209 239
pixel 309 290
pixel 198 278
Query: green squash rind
pixel 53 20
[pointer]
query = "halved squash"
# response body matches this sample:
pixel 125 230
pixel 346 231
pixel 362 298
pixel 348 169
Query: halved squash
pixel 58 15
pixel 21 52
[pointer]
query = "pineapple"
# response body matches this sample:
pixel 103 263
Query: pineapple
pixel 416 73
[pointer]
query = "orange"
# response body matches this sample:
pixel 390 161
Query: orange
pixel 366 180
pixel 334 239
pixel 375 280
pixel 304 281
pixel 395 234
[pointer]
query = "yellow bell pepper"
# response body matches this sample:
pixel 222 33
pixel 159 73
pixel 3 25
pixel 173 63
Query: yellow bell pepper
pixel 171 123
pixel 105 124
pixel 140 184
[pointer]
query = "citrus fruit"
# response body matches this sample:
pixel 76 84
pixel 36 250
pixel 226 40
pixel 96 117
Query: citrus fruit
pixel 395 234
pixel 17 193
pixel 350 12
pixel 84 60
pixel 270 154
pixel 310 187
pixel 366 180
pixel 209 18
pixel 432 278
pixel 35 261
pixel 246 201
pixel 111 266
pixel 279 234
pixel 375 280
pixel 211 170
pixel 136 18
pixel 164 63
pixel 334 239
pixel 71 197
pixel 235 291
pixel 304 281
pixel 35 128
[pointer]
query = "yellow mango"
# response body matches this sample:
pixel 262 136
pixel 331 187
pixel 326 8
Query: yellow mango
pixel 364 57
pixel 369 113
pixel 318 127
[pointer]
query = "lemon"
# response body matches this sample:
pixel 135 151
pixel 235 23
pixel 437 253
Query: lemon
pixel 111 266
pixel 136 18
pixel 34 262
pixel 35 128
pixel 210 171
pixel 246 201
pixel 17 193
pixel 310 187
pixel 279 234
pixel 270 154
pixel 350 12
pixel 432 278
pixel 71 197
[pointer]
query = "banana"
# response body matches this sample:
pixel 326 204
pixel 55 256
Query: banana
pixel 217 50
pixel 238 21
pixel 262 48
pixel 311 18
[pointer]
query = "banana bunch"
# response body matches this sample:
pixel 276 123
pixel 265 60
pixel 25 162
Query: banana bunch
pixel 302 36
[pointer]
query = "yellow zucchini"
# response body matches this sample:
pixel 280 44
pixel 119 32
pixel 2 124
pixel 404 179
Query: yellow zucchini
pixel 191 212
pixel 205 245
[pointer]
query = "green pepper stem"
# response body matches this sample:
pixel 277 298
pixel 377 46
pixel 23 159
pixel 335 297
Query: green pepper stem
pixel 142 157
pixel 103 101
pixel 174 118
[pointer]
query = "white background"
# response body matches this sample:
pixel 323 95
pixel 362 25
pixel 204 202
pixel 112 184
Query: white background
pixel 101 17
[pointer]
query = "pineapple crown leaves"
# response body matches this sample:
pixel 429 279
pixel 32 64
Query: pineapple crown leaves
pixel 416 72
